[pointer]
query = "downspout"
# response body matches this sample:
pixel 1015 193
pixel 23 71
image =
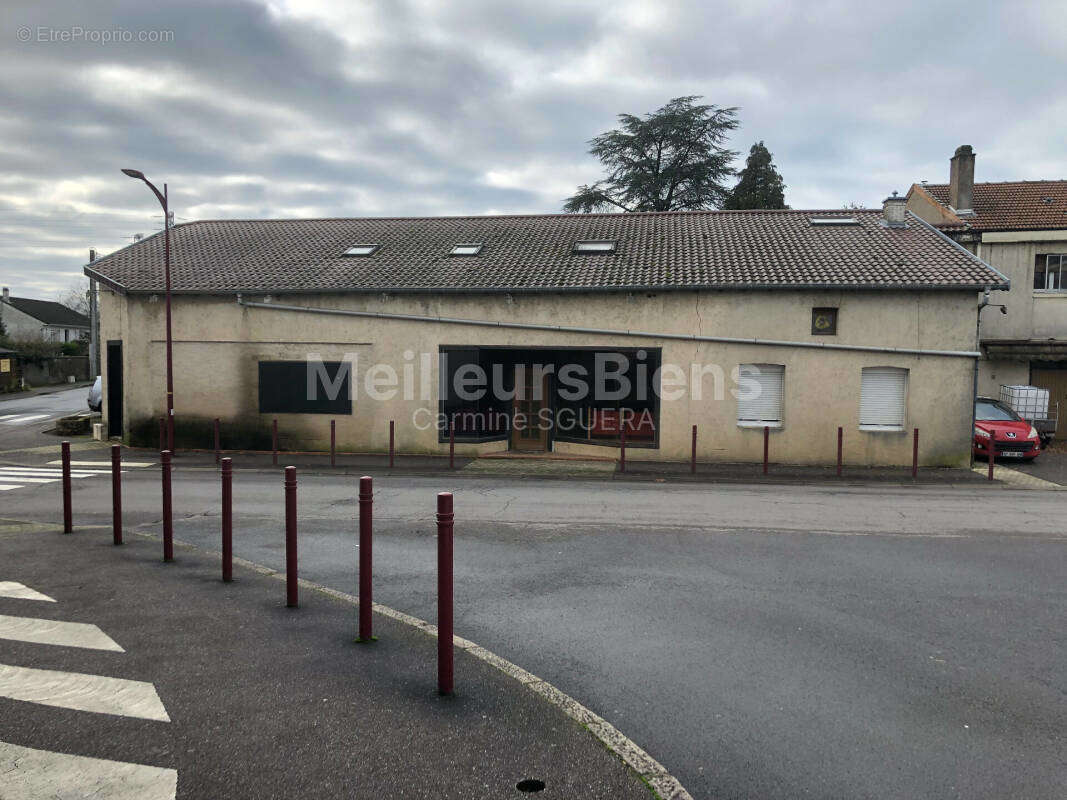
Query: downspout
pixel 610 332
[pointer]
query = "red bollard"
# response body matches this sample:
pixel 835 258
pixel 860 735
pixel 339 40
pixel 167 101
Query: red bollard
pixel 291 596
pixel 68 517
pixel 227 520
pixel 168 512
pixel 693 457
pixel 915 454
pixel 333 443
pixel 366 562
pixel 452 444
pixel 162 434
pixel 622 444
pixel 116 494
pixel 392 442
pixel 992 453
pixel 840 441
pixel 445 519
pixel 766 447
pixel 274 440
pixel 218 442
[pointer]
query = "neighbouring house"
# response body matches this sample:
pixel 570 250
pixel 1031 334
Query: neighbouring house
pixel 558 332
pixel 1019 227
pixel 41 320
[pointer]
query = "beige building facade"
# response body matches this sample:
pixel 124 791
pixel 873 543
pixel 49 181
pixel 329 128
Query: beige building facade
pixel 799 360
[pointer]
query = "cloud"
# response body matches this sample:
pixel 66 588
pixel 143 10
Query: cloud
pixel 398 107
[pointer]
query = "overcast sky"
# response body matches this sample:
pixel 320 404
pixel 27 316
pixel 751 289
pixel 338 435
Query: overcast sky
pixel 288 108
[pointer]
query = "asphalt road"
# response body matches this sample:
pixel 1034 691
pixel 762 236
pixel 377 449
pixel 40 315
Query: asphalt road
pixel 24 417
pixel 773 642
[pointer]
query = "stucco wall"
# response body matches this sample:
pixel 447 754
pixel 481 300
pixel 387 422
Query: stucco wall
pixel 19 324
pixel 1031 314
pixel 218 344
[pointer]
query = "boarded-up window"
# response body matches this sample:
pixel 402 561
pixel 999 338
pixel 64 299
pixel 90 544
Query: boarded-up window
pixel 305 387
pixel 759 397
pixel 883 398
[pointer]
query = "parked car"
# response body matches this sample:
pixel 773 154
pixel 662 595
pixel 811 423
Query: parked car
pixel 997 426
pixel 95 395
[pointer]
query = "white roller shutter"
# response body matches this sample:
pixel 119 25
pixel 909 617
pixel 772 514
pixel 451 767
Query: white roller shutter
pixel 765 405
pixel 883 398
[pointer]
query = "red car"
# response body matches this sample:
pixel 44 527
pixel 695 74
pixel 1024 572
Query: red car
pixel 997 426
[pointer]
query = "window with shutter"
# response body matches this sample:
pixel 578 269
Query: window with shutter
pixel 759 400
pixel 883 398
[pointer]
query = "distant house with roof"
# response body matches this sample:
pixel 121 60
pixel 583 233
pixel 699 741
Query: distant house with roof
pixel 563 333
pixel 1019 227
pixel 43 320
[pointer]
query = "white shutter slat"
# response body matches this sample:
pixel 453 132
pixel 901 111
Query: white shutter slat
pixel 883 397
pixel 767 405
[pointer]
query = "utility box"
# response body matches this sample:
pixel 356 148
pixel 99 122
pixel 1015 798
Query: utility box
pixel 1029 402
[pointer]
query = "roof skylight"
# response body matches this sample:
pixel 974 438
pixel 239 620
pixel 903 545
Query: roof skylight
pixel 834 221
pixel 362 250
pixel 466 249
pixel 595 246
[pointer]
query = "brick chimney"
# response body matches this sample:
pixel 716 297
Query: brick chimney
pixel 893 209
pixel 961 180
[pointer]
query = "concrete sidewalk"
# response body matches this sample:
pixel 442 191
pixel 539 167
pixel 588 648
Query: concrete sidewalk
pixel 266 701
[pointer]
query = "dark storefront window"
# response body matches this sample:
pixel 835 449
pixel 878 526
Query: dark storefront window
pixel 590 395
pixel 305 387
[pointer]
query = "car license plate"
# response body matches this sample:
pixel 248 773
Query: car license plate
pixel 1010 454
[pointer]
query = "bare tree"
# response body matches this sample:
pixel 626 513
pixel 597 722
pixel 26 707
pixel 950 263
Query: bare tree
pixel 76 297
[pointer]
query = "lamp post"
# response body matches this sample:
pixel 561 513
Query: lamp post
pixel 134 173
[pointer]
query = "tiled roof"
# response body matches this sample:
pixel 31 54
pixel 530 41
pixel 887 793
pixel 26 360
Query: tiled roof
pixel 718 249
pixel 1010 206
pixel 49 312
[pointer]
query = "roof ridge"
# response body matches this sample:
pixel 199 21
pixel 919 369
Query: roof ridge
pixel 1003 183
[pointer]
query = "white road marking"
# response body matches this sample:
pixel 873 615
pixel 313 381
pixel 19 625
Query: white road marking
pixel 8 416
pixel 107 464
pixel 4 488
pixel 23 419
pixel 81 692
pixel 20 591
pixel 50 471
pixel 50 631
pixel 30 774
pixel 32 479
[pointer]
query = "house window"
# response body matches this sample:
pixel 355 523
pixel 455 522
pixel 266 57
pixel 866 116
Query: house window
pixel 1050 273
pixel 469 249
pixel 824 321
pixel 883 398
pixel 305 387
pixel 759 398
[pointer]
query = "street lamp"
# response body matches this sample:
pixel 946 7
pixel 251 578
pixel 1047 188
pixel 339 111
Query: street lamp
pixel 135 173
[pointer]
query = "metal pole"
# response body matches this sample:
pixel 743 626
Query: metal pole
pixel 766 446
pixel 622 444
pixel 274 440
pixel 218 441
pixel 840 442
pixel 68 517
pixel 392 442
pixel 116 494
pixel 915 454
pixel 693 457
pixel 291 598
pixel 366 562
pixel 170 357
pixel 227 520
pixel 162 434
pixel 333 443
pixel 445 519
pixel 452 443
pixel 992 453
pixel 168 512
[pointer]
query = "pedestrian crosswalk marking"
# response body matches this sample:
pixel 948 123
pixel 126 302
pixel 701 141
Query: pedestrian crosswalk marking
pixel 57 632
pixel 20 419
pixel 4 488
pixel 50 471
pixel 107 464
pixel 31 774
pixel 82 692
pixel 18 477
pixel 20 591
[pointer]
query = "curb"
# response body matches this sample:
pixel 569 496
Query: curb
pixel 663 785
pixel 1021 480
